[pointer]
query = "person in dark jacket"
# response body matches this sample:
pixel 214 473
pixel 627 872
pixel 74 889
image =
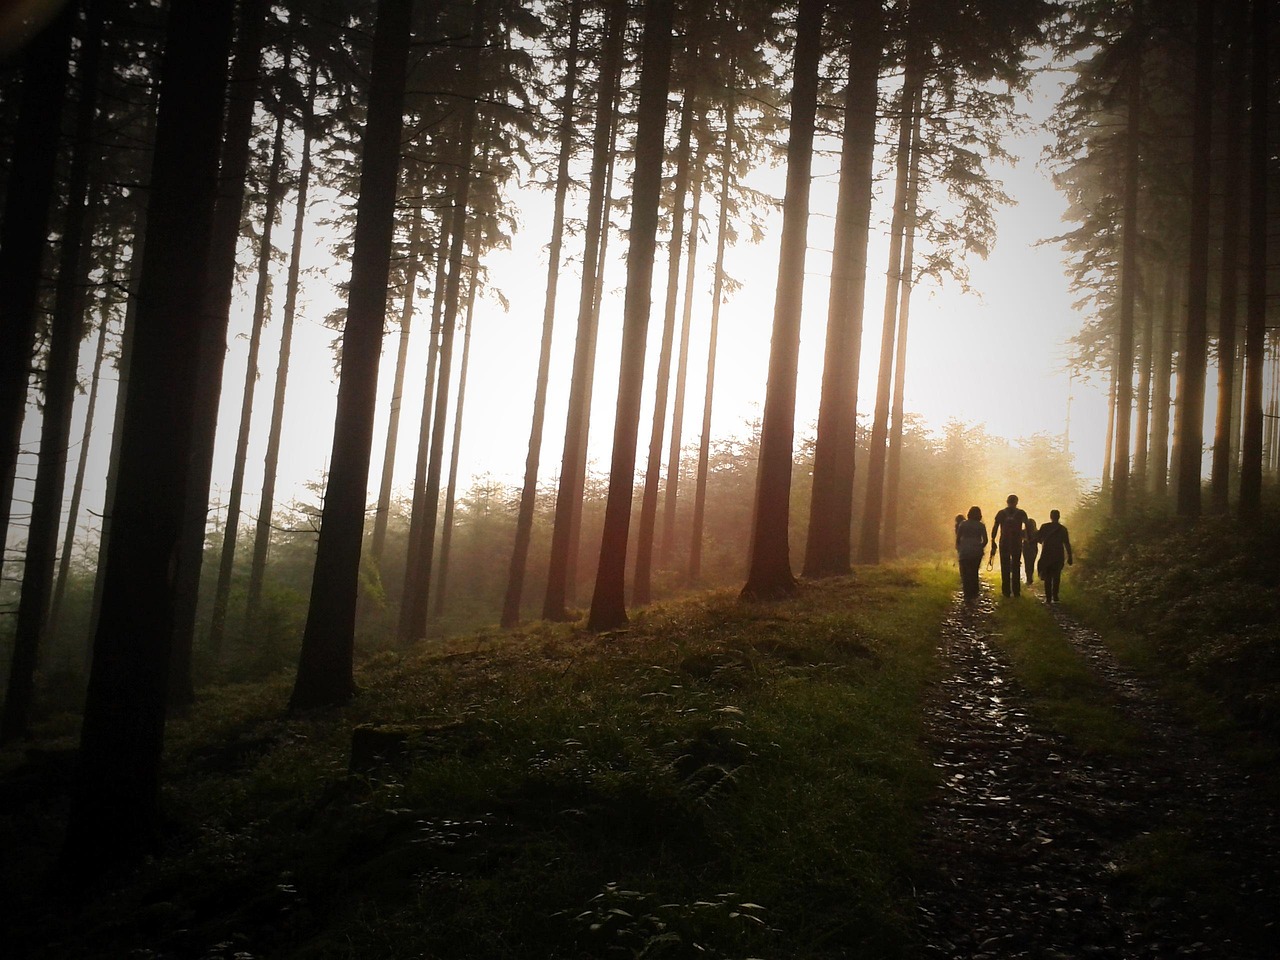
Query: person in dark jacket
pixel 1055 546
pixel 1029 547
pixel 1006 535
pixel 971 542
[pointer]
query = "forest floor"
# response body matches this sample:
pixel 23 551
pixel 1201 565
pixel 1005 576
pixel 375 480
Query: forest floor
pixel 873 769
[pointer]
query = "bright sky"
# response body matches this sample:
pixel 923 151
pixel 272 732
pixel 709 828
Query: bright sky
pixel 994 356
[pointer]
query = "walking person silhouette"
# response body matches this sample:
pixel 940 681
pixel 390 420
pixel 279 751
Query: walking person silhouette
pixel 1006 536
pixel 1055 545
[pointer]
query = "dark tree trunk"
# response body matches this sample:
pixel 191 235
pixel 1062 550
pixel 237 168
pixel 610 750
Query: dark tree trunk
pixel 827 549
pixel 529 492
pixel 1163 370
pixel 869 535
pixel 242 95
pixel 1128 292
pixel 23 231
pixel 115 804
pixel 271 461
pixel 1191 366
pixel 231 528
pixel 1109 443
pixel 642 585
pixel 564 537
pixel 1223 464
pixel 1256 285
pixel 608 602
pixel 1142 428
pixel 769 567
pixel 413 620
pixel 59 399
pixel 397 385
pixel 325 668
pixel 713 335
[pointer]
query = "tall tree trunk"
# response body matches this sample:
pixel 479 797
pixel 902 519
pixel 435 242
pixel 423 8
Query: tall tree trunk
pixel 1109 444
pixel 713 335
pixel 23 231
pixel 418 581
pixel 572 462
pixel 893 464
pixel 243 93
pixel 451 487
pixel 1163 366
pixel 529 492
pixel 1191 367
pixel 827 549
pixel 231 529
pixel 642 585
pixel 1142 428
pixel 325 667
pixel 115 804
pixel 271 460
pixel 869 535
pixel 769 570
pixel 608 603
pixel 671 492
pixel 1256 285
pixel 1129 282
pixel 397 385
pixel 59 398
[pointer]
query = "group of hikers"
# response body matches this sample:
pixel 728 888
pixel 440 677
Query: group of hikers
pixel 1018 540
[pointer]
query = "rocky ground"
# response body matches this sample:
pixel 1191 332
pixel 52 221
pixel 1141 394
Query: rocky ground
pixel 1031 844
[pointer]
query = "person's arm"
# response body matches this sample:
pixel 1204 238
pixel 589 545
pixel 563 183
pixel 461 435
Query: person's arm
pixel 995 527
pixel 1066 542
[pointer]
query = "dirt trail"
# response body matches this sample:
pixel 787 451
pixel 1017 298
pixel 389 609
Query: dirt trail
pixel 1026 844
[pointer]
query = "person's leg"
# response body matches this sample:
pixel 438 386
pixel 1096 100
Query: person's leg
pixel 1011 570
pixel 969 578
pixel 1051 574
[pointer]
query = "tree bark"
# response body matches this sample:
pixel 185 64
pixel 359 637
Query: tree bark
pixel 573 458
pixel 1163 370
pixel 641 589
pixel 231 528
pixel 115 803
pixel 325 667
pixel 529 492
pixel 23 231
pixel 608 601
pixel 1250 505
pixel 1191 367
pixel 1142 427
pixel 271 460
pixel 869 536
pixel 769 569
pixel 827 549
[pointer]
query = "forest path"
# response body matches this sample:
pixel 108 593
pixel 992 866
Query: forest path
pixel 1030 843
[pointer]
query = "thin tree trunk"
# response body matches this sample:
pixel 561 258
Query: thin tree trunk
pixel 59 400
pixel 769 569
pixel 23 231
pixel 1191 367
pixel 1142 428
pixel 397 387
pixel 1160 392
pixel 827 549
pixel 1128 289
pixel 271 461
pixel 893 464
pixel 529 492
pixel 451 488
pixel 325 667
pixel 115 803
pixel 243 92
pixel 572 462
pixel 608 602
pixel 671 492
pixel 1109 445
pixel 713 335
pixel 231 529
pixel 1256 285
pixel 642 584
pixel 418 581
pixel 869 536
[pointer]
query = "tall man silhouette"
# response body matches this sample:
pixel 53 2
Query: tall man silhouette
pixel 1006 535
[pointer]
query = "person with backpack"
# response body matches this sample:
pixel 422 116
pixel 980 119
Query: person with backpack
pixel 1006 536
pixel 1029 547
pixel 971 542
pixel 1055 545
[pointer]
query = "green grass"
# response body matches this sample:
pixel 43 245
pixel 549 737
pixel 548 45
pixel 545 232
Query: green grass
pixel 719 779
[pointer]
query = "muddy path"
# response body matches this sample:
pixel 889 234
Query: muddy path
pixel 1030 845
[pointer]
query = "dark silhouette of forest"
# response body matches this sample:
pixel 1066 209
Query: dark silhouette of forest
pixel 156 155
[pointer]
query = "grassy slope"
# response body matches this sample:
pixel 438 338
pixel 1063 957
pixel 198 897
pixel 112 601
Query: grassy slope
pixel 741 778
